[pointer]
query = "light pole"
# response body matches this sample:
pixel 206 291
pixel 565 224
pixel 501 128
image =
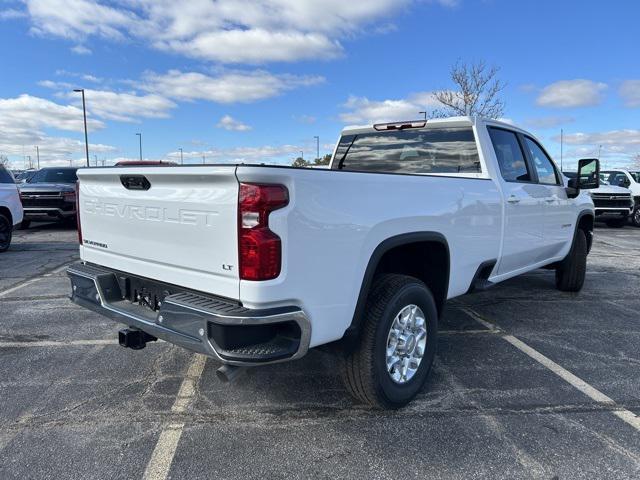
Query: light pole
pixel 301 154
pixel 38 156
pixel 425 115
pixel 317 146
pixel 140 137
pixel 95 157
pixel 181 157
pixel 561 148
pixel 599 150
pixel 84 113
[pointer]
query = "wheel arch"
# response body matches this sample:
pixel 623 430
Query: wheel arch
pixel 424 255
pixel 585 223
pixel 7 213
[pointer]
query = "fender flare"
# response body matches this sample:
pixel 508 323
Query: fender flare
pixel 581 215
pixel 353 331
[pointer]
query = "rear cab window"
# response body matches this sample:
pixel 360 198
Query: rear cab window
pixel 431 150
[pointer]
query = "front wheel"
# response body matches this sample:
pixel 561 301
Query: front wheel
pixel 397 344
pixel 6 231
pixel 571 271
pixel 635 218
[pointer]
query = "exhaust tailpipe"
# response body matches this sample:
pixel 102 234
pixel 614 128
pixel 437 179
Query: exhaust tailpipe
pixel 229 373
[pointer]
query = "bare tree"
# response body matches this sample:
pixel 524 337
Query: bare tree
pixel 4 161
pixel 477 93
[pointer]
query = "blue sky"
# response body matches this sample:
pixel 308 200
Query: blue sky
pixel 255 81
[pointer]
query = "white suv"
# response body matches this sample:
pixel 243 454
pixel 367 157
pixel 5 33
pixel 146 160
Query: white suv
pixel 10 207
pixel 627 179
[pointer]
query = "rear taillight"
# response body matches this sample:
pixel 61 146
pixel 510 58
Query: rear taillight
pixel 259 249
pixel 78 212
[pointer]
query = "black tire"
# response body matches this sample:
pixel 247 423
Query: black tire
pixel 25 224
pixel 571 271
pixel 635 217
pixel 6 232
pixel 364 368
pixel 616 222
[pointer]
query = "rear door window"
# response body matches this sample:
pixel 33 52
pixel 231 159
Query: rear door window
pixel 513 166
pixel 425 151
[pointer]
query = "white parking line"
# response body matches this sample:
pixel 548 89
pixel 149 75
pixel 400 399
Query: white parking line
pixel 26 283
pixel 590 391
pixel 162 456
pixel 55 343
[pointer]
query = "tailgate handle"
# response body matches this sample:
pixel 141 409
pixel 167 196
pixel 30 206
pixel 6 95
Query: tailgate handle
pixel 135 182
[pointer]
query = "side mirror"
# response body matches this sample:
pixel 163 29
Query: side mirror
pixel 588 173
pixel 587 178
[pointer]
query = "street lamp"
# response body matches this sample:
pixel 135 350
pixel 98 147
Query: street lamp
pixel 38 156
pixel 301 154
pixel 181 157
pixel 317 146
pixel 140 137
pixel 84 113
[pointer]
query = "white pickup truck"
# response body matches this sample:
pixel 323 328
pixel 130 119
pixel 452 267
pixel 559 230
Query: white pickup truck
pixel 257 264
pixel 10 208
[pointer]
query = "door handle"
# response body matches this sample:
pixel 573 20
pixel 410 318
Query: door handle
pixel 513 199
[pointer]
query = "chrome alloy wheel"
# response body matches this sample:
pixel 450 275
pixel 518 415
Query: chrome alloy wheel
pixel 406 343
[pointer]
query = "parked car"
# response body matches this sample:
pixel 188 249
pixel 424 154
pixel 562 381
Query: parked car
pixel 24 175
pixel 627 179
pixel 10 208
pixel 216 258
pixel 613 205
pixel 50 194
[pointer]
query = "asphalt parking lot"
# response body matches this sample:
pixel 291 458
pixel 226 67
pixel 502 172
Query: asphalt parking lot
pixel 529 382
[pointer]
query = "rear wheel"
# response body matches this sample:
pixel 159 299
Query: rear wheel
pixel 6 232
pixel 395 351
pixel 571 271
pixel 617 222
pixel 635 218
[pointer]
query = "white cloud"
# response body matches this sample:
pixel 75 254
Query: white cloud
pixel 306 119
pixel 630 93
pixel 228 87
pixel 615 143
pixel 549 122
pixel 229 123
pixel 254 46
pixel 269 154
pixel 77 19
pixel 126 106
pixel 227 31
pixel 24 122
pixel 109 105
pixel 12 14
pixel 81 50
pixel 572 93
pixel 28 112
pixel 363 110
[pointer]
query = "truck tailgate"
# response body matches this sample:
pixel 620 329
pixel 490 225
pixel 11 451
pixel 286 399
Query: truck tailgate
pixel 182 229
